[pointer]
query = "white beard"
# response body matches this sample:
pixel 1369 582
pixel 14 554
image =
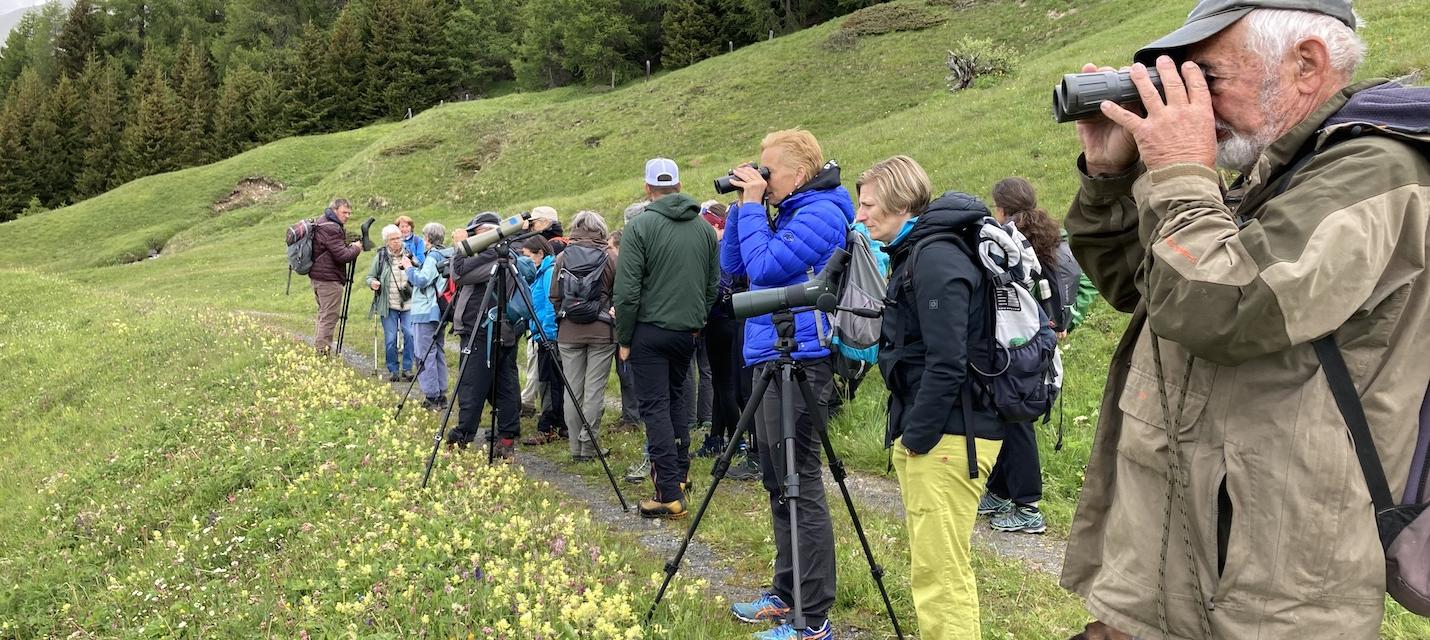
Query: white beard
pixel 1239 151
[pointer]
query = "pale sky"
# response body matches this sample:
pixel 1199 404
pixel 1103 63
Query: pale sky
pixel 6 6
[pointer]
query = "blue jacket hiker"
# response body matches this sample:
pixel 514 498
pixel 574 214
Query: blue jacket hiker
pixel 810 224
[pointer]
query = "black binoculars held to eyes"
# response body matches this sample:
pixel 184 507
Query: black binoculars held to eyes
pixel 723 186
pixel 1080 95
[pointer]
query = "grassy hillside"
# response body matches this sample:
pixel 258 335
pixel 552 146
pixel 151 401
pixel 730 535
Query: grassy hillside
pixel 572 148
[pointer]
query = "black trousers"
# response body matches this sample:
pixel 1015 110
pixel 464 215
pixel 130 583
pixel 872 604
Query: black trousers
pixel 481 381
pixel 816 531
pixel 553 404
pixel 1018 473
pixel 660 360
pixel 723 343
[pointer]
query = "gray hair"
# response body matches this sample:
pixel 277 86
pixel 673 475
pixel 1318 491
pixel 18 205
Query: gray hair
pixel 390 230
pixel 434 232
pixel 635 209
pixel 591 222
pixel 339 203
pixel 1271 33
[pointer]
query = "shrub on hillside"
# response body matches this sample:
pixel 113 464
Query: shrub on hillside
pixel 878 20
pixel 973 58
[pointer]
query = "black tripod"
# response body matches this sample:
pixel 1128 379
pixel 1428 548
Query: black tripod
pixel 348 288
pixel 790 371
pixel 501 272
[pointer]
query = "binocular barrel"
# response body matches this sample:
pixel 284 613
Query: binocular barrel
pixel 1080 95
pixel 723 186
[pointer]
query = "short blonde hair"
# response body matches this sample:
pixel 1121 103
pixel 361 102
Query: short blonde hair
pixel 899 184
pixel 798 148
pixel 402 219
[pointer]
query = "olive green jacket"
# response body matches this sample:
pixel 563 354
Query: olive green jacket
pixel 668 269
pixel 1238 294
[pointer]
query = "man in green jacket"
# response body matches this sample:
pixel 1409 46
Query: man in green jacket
pixel 1270 530
pixel 665 285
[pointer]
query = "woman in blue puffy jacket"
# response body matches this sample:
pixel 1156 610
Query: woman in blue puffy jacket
pixel 811 221
pixel 551 425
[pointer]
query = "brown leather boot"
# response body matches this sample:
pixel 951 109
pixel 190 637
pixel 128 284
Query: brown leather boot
pixel 1100 631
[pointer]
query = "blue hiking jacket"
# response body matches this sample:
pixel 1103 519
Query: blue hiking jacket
pixel 416 246
pixel 811 223
pixel 541 300
pixel 426 284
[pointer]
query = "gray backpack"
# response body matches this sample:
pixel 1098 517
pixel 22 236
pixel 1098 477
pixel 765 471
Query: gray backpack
pixel 853 340
pixel 299 239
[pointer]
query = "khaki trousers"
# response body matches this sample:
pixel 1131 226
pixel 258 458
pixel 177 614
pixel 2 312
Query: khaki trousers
pixel 330 302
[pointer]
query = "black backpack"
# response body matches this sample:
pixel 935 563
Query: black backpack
pixel 583 296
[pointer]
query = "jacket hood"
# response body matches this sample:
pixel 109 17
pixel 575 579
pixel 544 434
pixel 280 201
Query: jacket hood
pixel 825 186
pixel 1389 105
pixel 676 206
pixel 950 212
pixel 585 235
pixel 332 216
pixel 553 231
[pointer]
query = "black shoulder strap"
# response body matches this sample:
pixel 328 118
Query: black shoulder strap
pixel 1344 391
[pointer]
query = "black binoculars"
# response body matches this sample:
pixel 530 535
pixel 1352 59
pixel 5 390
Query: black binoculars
pixel 1080 95
pixel 723 186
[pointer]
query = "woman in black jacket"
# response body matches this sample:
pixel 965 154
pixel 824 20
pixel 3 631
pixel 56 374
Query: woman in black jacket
pixel 934 324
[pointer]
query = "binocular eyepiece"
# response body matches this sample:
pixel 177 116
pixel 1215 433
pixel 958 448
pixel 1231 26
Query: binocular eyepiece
pixel 723 186
pixel 1080 95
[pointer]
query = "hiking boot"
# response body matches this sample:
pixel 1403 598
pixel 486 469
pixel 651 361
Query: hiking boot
pixel 1022 518
pixel 540 438
pixel 393 377
pixel 506 449
pixel 786 632
pixel 625 426
pixel 673 510
pixel 712 448
pixel 766 608
pixel 639 471
pixel 408 375
pixel 458 447
pixel 991 505
pixel 745 468
pixel 590 457
pixel 528 411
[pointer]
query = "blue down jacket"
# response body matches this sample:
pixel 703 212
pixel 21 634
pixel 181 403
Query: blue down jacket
pixel 811 223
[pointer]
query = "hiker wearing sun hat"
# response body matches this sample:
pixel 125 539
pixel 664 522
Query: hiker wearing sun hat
pixel 1252 519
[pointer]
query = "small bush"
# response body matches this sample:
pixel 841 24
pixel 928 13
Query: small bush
pixel 956 5
pixel 972 58
pixel 880 19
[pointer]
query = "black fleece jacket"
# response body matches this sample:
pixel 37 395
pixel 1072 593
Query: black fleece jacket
pixel 936 320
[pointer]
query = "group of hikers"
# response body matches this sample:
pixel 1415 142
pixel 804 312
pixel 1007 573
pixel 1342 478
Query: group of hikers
pixel 1217 438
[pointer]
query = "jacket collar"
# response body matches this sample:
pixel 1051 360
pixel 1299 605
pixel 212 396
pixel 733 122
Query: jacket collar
pixel 1296 142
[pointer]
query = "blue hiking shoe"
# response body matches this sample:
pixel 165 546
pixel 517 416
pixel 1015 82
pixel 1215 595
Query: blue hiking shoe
pixel 991 505
pixel 786 632
pixel 767 608
pixel 1022 519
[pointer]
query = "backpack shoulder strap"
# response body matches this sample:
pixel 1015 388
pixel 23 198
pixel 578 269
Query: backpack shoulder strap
pixel 1333 364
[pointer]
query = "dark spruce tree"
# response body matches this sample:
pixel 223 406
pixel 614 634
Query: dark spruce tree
pixel 79 37
pixel 196 95
pixel 150 143
pixel 104 105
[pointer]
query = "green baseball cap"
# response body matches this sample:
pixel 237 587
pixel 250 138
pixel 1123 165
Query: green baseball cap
pixel 1211 16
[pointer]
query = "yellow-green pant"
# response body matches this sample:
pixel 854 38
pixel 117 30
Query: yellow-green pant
pixel 940 506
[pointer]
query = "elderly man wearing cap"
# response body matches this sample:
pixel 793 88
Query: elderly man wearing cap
pixel 1252 519
pixel 665 286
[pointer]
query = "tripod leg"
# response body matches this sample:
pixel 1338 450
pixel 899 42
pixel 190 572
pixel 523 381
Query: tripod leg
pixel 447 414
pixel 791 487
pixel 747 418
pixel 288 290
pixel 836 469
pixel 421 364
pixel 343 318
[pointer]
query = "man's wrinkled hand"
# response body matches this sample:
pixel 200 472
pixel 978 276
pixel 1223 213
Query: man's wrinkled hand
pixel 1179 129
